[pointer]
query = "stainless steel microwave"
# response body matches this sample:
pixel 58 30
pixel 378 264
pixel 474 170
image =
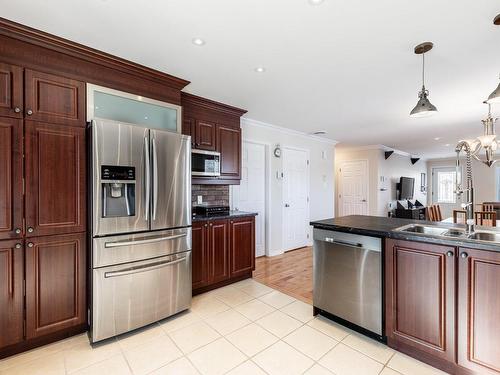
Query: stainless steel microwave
pixel 205 163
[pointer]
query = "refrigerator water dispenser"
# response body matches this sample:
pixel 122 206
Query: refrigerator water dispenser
pixel 118 191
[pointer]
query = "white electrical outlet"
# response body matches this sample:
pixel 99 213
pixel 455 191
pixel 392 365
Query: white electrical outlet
pixel 200 199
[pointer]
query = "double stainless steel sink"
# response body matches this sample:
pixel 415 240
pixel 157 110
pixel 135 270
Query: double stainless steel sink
pixel 436 231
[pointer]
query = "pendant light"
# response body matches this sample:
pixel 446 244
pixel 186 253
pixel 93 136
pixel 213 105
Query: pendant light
pixel 495 95
pixel 487 142
pixel 424 107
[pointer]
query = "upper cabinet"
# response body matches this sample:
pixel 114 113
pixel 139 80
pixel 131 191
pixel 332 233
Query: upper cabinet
pixel 214 126
pixel 11 91
pixel 54 99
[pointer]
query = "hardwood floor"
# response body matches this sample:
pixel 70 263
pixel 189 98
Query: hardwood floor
pixel 290 273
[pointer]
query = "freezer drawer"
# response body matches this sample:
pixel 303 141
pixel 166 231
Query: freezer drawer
pixel 107 251
pixel 348 277
pixel 133 295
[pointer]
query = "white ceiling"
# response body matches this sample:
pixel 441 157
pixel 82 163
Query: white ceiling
pixel 345 66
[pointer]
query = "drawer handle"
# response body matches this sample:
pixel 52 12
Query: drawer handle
pixel 150 267
pixel 142 242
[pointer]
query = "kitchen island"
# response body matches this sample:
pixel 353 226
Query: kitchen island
pixel 440 288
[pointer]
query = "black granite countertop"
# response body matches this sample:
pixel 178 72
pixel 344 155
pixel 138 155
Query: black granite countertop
pixel 385 227
pixel 230 215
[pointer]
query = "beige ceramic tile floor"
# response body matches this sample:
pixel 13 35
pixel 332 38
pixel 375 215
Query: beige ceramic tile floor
pixel 243 329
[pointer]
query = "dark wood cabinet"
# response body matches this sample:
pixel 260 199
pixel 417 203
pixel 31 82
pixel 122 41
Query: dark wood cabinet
pixel 479 311
pixel 218 250
pixel 205 135
pixel 11 178
pixel 188 128
pixel 199 254
pixel 242 246
pixel 229 146
pixel 55 283
pixel 223 252
pixel 214 126
pixel 11 91
pixel 420 297
pixel 55 179
pixel 11 292
pixel 54 99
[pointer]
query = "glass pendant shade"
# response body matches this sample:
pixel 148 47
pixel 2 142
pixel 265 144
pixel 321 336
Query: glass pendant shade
pixel 424 107
pixel 494 96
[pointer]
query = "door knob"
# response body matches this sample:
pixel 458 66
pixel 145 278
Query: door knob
pixel 449 254
pixel 30 244
pixel 30 230
pixel 17 109
pixel 464 255
pixel 17 230
pixel 18 246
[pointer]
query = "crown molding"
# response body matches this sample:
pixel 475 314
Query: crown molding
pixel 211 105
pixel 265 125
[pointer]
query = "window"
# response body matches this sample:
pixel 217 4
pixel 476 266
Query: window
pixel 444 185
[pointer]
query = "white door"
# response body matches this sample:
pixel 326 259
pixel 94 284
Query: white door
pixel 353 189
pixel 295 198
pixel 250 194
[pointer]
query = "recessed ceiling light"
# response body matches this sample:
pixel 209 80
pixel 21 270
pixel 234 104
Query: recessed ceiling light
pixel 260 69
pixel 315 2
pixel 437 138
pixel 447 145
pixel 198 41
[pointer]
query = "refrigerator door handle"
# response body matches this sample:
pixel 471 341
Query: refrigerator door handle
pixel 155 178
pixel 142 242
pixel 147 178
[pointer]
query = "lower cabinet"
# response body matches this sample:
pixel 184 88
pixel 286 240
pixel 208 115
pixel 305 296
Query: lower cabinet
pixel 443 306
pixel 222 251
pixel 479 310
pixel 11 292
pixel 55 283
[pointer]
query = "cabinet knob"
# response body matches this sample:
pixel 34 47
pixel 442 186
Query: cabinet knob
pixel 17 109
pixel 17 230
pixel 30 244
pixel 211 224
pixel 206 225
pixel 30 230
pixel 29 112
pixel 449 254
pixel 464 255
pixel 18 246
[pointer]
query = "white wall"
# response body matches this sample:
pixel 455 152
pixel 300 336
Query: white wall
pixel 393 168
pixel 484 178
pixel 321 174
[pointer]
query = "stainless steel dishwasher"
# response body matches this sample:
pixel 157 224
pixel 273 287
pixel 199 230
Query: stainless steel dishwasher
pixel 348 280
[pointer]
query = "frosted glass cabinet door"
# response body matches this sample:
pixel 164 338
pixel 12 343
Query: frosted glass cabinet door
pixel 116 105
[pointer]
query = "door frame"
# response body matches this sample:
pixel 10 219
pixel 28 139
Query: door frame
pixel 340 194
pixel 267 184
pixel 308 191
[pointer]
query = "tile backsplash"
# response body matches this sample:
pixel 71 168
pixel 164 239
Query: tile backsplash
pixel 212 194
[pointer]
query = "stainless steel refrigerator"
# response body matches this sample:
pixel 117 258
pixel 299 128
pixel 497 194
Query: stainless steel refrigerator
pixel 141 226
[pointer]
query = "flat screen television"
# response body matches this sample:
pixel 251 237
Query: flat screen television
pixel 406 187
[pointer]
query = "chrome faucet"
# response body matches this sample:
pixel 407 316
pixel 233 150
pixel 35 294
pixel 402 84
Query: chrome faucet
pixel 469 206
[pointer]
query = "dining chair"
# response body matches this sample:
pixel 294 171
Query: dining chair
pixel 486 218
pixel 434 213
pixel 488 207
pixel 459 216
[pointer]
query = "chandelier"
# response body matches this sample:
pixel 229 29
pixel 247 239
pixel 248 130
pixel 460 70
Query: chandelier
pixel 487 142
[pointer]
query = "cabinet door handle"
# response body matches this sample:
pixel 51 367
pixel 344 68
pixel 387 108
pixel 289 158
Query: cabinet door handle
pixel 29 112
pixel 17 109
pixel 449 254
pixel 17 230
pixel 30 244
pixel 30 230
pixel 464 255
